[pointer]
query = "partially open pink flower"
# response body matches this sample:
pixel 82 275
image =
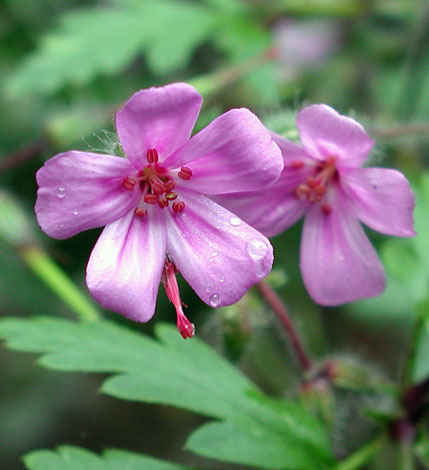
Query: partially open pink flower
pixel 322 180
pixel 154 203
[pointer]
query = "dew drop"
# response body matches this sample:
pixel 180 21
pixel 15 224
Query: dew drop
pixel 214 300
pixel 61 192
pixel 75 212
pixel 214 254
pixel 221 279
pixel 235 221
pixel 211 259
pixel 257 250
pixel 210 244
pixel 208 287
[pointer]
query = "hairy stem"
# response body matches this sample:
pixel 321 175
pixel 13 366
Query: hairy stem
pixel 278 307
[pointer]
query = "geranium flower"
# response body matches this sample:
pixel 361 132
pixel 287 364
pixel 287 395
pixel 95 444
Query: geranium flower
pixel 154 205
pixel 322 180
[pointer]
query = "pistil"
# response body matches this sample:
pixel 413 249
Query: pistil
pixel 185 327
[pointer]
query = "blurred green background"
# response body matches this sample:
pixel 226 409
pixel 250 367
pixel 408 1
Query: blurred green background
pixel 67 65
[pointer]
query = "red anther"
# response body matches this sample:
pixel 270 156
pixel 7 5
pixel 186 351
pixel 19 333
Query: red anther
pixel 171 196
pixel 320 190
pixel 302 191
pixel 326 209
pixel 152 156
pixel 140 212
pixel 158 187
pixel 297 164
pixel 169 185
pixel 150 198
pixel 162 203
pixel 312 182
pixel 129 183
pixel 178 206
pixel 330 161
pixel 185 173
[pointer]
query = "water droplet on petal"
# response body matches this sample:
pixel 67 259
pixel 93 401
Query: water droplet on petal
pixel 235 221
pixel 61 192
pixel 221 279
pixel 210 244
pixel 208 287
pixel 214 300
pixel 257 250
pixel 75 212
pixel 211 259
pixel 214 254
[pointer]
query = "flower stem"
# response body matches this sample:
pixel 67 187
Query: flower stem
pixel 278 307
pixel 52 275
pixel 363 455
pixel 421 317
pixel 214 81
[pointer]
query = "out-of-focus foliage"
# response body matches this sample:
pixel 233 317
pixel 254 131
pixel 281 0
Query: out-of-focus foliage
pixel 66 66
pixel 75 458
pixel 252 431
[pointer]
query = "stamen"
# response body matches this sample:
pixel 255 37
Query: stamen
pixel 297 164
pixel 169 185
pixel 326 209
pixel 158 187
pixel 185 173
pixel 150 198
pixel 162 203
pixel 171 196
pixel 129 183
pixel 140 212
pixel 152 156
pixel 178 206
pixel 185 327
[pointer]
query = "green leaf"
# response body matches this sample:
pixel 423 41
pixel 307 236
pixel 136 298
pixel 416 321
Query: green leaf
pixel 188 375
pixel 94 41
pixel 75 458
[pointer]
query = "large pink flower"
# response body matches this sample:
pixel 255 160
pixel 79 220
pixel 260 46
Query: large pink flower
pixel 322 180
pixel 154 204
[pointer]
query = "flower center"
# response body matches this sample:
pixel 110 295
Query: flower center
pixel 156 185
pixel 315 187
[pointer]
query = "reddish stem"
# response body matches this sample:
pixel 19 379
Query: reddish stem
pixel 278 307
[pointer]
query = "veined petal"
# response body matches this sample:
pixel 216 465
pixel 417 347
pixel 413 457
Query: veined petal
pixel 338 262
pixel 157 118
pixel 274 209
pixel 233 153
pixel 82 190
pixel 381 199
pixel 219 255
pixel 125 267
pixel 326 133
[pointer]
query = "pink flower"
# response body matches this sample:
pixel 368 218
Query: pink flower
pixel 154 205
pixel 322 180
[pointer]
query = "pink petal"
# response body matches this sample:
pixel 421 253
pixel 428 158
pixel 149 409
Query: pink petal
pixel 381 199
pixel 220 256
pixel 338 262
pixel 326 133
pixel 160 118
pixel 82 190
pixel 233 153
pixel 272 210
pixel 125 266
